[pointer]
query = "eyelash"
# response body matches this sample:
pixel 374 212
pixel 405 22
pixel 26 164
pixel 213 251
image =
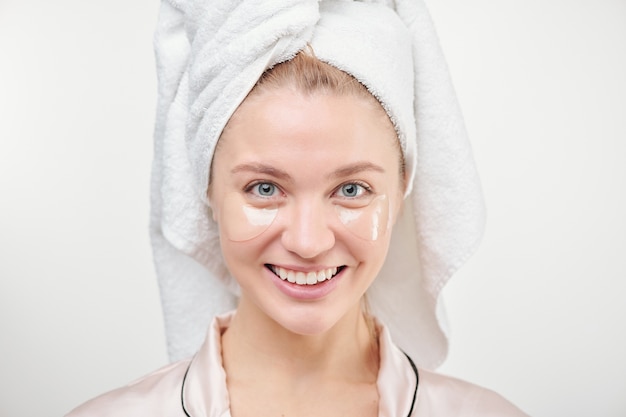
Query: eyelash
pixel 250 189
pixel 366 189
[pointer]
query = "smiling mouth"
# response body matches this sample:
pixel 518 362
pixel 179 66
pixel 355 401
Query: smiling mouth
pixel 305 278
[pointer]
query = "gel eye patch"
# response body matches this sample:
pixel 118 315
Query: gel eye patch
pixel 241 220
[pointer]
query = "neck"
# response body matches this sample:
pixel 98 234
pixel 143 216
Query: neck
pixel 254 345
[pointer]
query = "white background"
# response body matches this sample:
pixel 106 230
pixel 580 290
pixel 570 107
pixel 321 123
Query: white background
pixel 538 314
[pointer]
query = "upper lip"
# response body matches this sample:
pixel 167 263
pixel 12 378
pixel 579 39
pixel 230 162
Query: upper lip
pixel 308 268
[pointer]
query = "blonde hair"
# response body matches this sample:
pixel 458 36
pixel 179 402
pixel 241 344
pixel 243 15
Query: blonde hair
pixel 306 74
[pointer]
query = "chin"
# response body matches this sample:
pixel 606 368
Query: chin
pixel 310 320
pixel 309 328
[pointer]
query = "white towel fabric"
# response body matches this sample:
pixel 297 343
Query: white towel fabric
pixel 209 56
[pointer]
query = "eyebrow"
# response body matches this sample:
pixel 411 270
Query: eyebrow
pixel 262 169
pixel 277 173
pixel 355 169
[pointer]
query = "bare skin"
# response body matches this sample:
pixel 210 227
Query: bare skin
pixel 293 349
pixel 274 373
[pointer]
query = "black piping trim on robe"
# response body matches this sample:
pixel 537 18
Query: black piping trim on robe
pixel 182 389
pixel 417 380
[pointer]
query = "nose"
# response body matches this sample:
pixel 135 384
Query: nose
pixel 307 232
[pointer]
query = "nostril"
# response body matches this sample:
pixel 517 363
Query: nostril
pixel 307 244
pixel 307 232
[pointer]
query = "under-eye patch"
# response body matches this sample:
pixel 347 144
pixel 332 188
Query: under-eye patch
pixel 368 222
pixel 242 220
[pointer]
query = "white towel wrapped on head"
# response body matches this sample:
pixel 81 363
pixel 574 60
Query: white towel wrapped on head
pixel 210 55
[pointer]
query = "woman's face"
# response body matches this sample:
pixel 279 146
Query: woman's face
pixel 305 190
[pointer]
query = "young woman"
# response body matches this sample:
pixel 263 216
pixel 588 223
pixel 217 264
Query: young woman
pixel 304 185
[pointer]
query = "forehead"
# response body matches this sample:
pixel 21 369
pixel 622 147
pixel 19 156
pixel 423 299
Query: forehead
pixel 286 127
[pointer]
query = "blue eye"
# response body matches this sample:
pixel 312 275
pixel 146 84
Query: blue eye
pixel 351 190
pixel 264 189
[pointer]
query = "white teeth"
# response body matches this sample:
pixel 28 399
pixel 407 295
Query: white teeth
pixel 321 276
pixel 304 278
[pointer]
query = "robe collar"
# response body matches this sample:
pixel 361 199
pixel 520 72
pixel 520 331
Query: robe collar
pixel 205 394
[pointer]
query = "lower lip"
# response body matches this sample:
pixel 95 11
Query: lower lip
pixel 306 292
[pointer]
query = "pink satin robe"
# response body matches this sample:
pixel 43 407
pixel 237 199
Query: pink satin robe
pixel 196 387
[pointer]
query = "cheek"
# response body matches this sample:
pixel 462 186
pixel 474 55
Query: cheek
pixel 371 222
pixel 368 255
pixel 240 259
pixel 243 222
pixel 237 251
pixel 246 258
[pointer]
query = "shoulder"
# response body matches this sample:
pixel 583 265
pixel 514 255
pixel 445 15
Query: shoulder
pixel 156 394
pixel 440 395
